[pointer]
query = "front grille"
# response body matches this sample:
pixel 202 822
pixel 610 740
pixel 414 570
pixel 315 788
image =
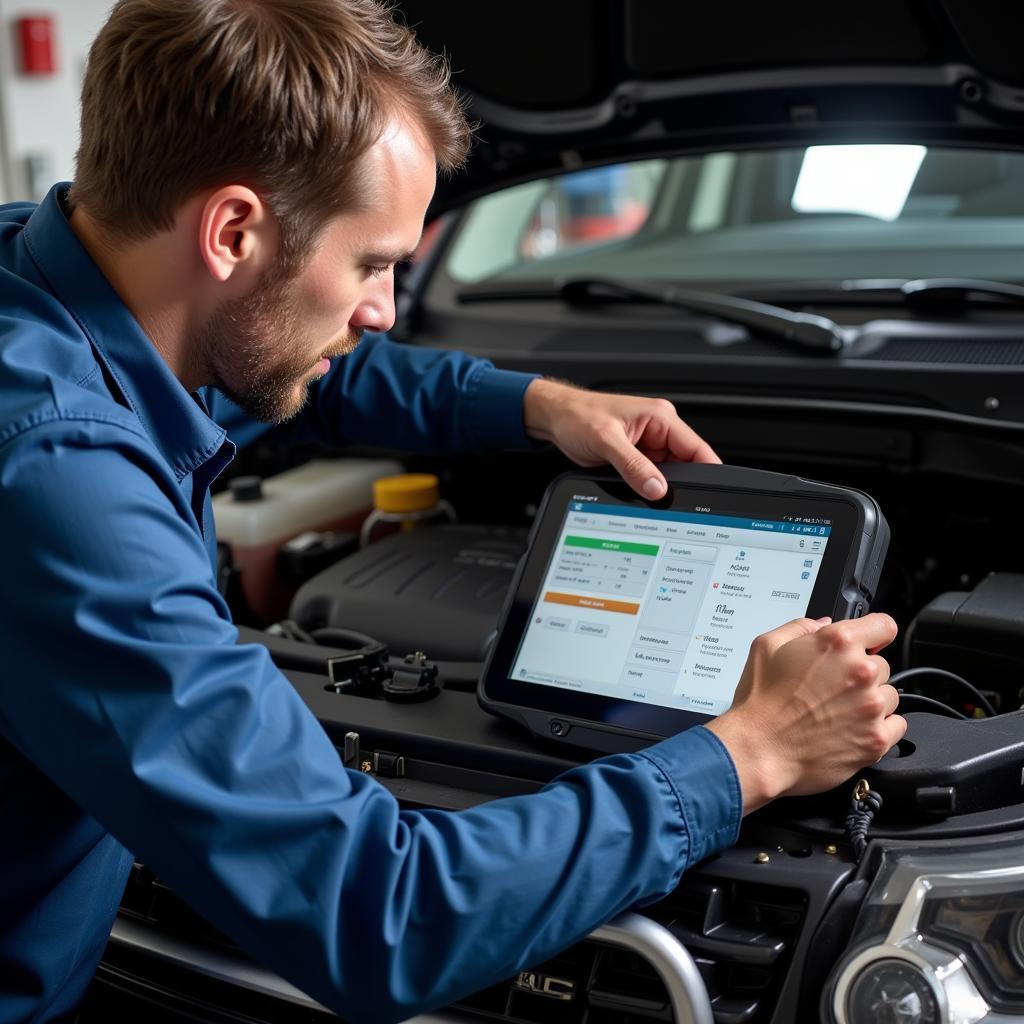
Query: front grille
pixel 742 935
pixel 591 983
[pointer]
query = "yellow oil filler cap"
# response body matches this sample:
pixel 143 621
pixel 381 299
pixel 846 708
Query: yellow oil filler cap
pixel 406 492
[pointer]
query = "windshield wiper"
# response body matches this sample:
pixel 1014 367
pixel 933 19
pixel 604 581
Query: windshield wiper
pixel 806 331
pixel 960 291
pixel 926 293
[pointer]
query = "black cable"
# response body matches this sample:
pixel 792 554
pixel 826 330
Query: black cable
pixel 929 704
pixel 865 804
pixel 941 673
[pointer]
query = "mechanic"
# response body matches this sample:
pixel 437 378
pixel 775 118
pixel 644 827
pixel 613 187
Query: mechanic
pixel 248 176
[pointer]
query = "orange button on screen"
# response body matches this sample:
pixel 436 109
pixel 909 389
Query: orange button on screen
pixel 600 604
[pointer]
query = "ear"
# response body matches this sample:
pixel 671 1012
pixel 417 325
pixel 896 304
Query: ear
pixel 237 234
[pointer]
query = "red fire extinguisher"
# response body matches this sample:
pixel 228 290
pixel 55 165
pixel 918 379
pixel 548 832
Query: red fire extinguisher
pixel 35 41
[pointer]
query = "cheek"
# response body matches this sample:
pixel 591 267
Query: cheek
pixel 329 303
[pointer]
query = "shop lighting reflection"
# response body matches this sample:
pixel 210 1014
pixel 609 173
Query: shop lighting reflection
pixel 870 180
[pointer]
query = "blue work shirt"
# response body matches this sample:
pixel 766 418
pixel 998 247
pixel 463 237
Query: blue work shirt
pixel 131 722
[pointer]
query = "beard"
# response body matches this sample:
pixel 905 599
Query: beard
pixel 256 352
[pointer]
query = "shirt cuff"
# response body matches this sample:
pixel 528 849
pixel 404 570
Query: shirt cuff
pixel 495 399
pixel 707 786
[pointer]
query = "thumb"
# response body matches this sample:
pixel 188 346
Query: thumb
pixel 634 467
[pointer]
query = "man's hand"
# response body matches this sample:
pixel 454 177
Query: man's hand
pixel 813 706
pixel 593 428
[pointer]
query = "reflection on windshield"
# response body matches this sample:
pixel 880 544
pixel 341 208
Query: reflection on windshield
pixel 590 206
pixel 873 180
pixel 816 213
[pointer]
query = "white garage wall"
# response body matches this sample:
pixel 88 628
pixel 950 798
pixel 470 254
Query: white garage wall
pixel 39 113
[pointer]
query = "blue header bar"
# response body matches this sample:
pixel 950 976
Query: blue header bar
pixel 700 518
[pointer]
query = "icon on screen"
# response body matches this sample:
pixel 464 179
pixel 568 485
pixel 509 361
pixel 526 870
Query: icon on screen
pixel 714 586
pixel 808 563
pixel 805 575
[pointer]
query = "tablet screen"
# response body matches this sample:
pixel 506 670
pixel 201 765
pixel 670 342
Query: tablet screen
pixel 635 618
pixel 660 606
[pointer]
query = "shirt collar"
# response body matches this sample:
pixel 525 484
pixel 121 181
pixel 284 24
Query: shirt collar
pixel 181 430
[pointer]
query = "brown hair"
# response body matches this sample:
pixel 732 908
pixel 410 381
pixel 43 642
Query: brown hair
pixel 282 95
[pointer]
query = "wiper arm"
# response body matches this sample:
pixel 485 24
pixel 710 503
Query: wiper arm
pixel 922 294
pixel 959 291
pixel 806 331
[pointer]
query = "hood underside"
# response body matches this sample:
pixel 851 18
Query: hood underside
pixel 568 84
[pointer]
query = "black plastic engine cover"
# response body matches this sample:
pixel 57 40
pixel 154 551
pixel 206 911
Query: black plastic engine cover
pixel 946 767
pixel 978 634
pixel 436 589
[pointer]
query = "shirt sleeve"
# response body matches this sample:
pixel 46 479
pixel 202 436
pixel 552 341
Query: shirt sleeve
pixel 124 684
pixel 437 402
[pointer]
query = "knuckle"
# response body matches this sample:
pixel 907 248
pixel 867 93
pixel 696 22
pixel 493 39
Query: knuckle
pixel 606 432
pixel 838 636
pixel 665 406
pixel 861 672
pixel 880 743
pixel 874 705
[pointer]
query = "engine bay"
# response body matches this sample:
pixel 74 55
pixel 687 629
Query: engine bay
pixel 791 915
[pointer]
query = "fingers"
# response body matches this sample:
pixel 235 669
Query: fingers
pixel 629 433
pixel 882 670
pixel 776 638
pixel 894 728
pixel 872 633
pixel 633 466
pixel 892 699
pixel 873 727
pixel 686 445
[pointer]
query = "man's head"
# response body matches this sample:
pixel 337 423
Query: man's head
pixel 280 135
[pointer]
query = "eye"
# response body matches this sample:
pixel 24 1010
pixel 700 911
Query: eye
pixel 378 271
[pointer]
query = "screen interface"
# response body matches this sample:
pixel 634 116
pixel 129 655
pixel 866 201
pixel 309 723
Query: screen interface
pixel 660 607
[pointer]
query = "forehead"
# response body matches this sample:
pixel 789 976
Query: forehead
pixel 398 175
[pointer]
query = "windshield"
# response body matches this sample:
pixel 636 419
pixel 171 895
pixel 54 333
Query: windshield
pixel 818 213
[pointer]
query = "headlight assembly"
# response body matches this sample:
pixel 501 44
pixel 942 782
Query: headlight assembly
pixel 939 940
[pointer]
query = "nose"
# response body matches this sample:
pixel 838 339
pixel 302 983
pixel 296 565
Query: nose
pixel 376 310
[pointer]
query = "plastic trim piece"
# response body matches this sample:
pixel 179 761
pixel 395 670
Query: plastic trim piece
pixel 669 958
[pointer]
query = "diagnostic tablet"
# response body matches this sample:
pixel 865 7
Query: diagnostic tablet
pixel 631 620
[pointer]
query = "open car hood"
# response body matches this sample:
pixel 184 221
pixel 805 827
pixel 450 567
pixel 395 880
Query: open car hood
pixel 566 84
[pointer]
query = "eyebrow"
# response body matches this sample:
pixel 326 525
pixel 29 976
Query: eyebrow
pixel 388 257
